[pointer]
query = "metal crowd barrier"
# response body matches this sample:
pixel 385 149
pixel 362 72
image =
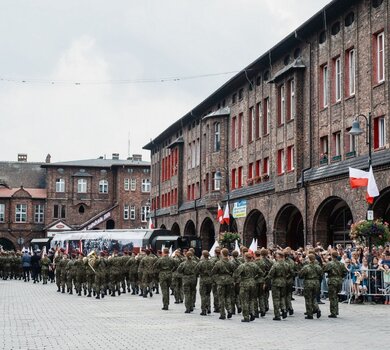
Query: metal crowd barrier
pixel 363 285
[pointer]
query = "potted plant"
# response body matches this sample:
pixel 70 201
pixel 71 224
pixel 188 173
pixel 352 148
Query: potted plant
pixel 249 182
pixel 376 230
pixel 265 177
pixel 257 179
pixel 228 239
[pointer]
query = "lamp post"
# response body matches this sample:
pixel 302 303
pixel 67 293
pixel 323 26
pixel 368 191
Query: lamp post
pixel 357 131
pixel 218 178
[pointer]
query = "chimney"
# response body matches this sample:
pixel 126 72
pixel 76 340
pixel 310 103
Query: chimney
pixel 115 156
pixel 137 157
pixel 22 157
pixel 48 158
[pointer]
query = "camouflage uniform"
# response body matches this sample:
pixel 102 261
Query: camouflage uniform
pixel 259 303
pixel 336 272
pixel 203 270
pixel 100 276
pixel 146 268
pixel 290 283
pixel 177 280
pixel 57 266
pixel 311 273
pixel 164 266
pixel 71 271
pixel 214 260
pixel 62 267
pixel 277 275
pixel 235 295
pixel 80 275
pixel 115 269
pixel 132 266
pixel 45 263
pixel 125 273
pixel 187 269
pixel 89 276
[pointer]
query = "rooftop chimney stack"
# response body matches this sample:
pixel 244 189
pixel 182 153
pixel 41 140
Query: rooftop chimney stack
pixel 48 158
pixel 115 156
pixel 22 157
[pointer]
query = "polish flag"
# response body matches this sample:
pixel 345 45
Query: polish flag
pixel 253 247
pixel 360 178
pixel 226 215
pixel 151 226
pixel 220 214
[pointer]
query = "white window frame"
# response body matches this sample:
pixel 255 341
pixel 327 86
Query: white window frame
pixel 132 212
pixel 352 72
pixel 283 161
pixel 193 155
pixel 267 101
pixel 126 184
pixel 197 154
pixel 267 169
pixel 21 213
pixel 282 105
pixel 145 210
pixel 60 185
pixel 82 185
pixel 2 212
pixel 337 144
pixel 381 132
pixel 103 186
pixel 325 87
pixel 145 186
pixel 126 212
pixel 337 65
pixel 133 184
pixel 292 99
pixel 39 213
pixel 380 52
pixel 291 155
pixel 252 121
pixel 217 137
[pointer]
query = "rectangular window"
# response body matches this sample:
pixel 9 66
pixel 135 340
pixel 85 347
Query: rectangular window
pixel 281 162
pixel 145 213
pixel 266 166
pixel 266 116
pixel 82 186
pixel 349 142
pixel 258 117
pixel 133 184
pixel 250 171
pixel 251 125
pixel 192 191
pixel 350 68
pixel 188 192
pixel 291 100
pixel 21 213
pixel 145 185
pixel 324 148
pixel 379 59
pixel 217 137
pixel 234 98
pixel 126 184
pixel 39 213
pixel 240 129
pixel 257 168
pixel 2 212
pixel 239 184
pixel 337 79
pixel 59 211
pixel 290 158
pixel 206 183
pixel 379 133
pixel 197 155
pixel 103 186
pixel 337 143
pixel 60 185
pixel 240 94
pixel 282 106
pixel 234 122
pixel 126 212
pixel 324 86
pixel 132 212
pixel 216 183
pixel 193 155
pixel 233 180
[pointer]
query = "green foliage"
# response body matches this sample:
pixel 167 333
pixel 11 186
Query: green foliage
pixel 376 229
pixel 229 237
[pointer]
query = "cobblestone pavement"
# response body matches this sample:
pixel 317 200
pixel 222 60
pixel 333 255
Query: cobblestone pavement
pixel 37 317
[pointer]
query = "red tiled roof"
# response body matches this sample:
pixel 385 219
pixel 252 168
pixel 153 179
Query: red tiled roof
pixel 38 193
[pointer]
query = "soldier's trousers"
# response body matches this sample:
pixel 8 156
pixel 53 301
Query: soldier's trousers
pixel 311 305
pixel 71 278
pixel 99 283
pixel 289 291
pixel 63 280
pixel 247 295
pixel 333 291
pixel 224 298
pixel 235 297
pixel 133 277
pixel 177 284
pixel 115 280
pixel 215 296
pixel 80 278
pixel 189 288
pixel 45 274
pixel 165 283
pixel 90 280
pixel 26 273
pixel 259 299
pixel 205 291
pixel 147 279
pixel 278 299
pixel 58 278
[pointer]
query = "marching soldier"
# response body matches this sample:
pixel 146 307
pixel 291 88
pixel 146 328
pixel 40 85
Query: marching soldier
pixel 89 273
pixel 177 280
pixel 336 272
pixel 214 260
pixel 132 266
pixel 203 270
pixel 100 275
pixel 57 259
pixel 146 268
pixel 45 264
pixel 290 279
pixel 187 269
pixel 80 274
pixel 62 267
pixel 311 273
pixel 235 297
pixel 164 267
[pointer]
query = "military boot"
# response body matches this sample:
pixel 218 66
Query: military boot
pixel 97 296
pixel 89 294
pixel 63 290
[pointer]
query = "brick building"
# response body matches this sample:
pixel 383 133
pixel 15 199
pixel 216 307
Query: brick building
pixel 278 133
pixel 42 199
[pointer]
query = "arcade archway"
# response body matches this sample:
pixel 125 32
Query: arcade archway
pixel 6 244
pixel 189 228
pixel 255 227
pixel 175 229
pixel 332 222
pixel 381 205
pixel 289 227
pixel 207 233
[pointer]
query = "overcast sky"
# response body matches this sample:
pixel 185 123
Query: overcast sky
pixel 54 44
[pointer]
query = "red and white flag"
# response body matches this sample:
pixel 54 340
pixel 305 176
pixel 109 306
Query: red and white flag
pixel 151 226
pixel 360 178
pixel 220 215
pixel 226 215
pixel 253 247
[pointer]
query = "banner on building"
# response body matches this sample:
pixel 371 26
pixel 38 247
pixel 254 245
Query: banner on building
pixel 239 209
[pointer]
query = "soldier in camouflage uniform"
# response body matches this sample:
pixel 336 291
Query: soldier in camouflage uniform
pixel 80 274
pixel 62 267
pixel 164 266
pixel 71 272
pixel 222 272
pixel 132 267
pixel 45 263
pixel 188 270
pixel 89 276
pixel 203 270
pixel 146 268
pixel 278 275
pixel 57 258
pixel 125 272
pixel 235 297
pixel 266 267
pixel 214 260
pixel 100 275
pixel 311 273
pixel 290 279
pixel 259 304
pixel 177 278
pixel 336 272
pixel 246 273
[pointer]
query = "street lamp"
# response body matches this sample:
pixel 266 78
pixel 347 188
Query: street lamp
pixel 357 131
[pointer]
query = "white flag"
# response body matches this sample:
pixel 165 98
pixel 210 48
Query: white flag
pixel 237 247
pixel 212 250
pixel 170 251
pixel 253 246
pixel 372 188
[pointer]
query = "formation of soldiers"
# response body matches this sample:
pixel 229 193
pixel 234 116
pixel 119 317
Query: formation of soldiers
pixel 237 282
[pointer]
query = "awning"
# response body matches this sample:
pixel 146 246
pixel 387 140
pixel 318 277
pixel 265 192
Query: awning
pixel 40 240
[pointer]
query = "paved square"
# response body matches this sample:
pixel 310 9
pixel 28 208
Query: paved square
pixel 37 317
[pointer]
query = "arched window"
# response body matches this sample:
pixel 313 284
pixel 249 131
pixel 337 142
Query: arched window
pixel 81 209
pixel 103 186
